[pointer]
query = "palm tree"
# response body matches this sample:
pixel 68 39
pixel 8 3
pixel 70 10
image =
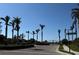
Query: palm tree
pixel 75 15
pixel 42 26
pixel 12 23
pixel 59 35
pixel 37 30
pixel 28 34
pixel 22 36
pixel 17 23
pixel 33 32
pixel 6 19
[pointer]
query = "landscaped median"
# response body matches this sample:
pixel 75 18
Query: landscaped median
pixel 62 50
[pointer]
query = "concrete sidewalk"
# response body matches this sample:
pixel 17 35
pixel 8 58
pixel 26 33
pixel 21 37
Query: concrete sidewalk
pixel 66 48
pixel 62 53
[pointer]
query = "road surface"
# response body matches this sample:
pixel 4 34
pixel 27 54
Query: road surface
pixel 37 50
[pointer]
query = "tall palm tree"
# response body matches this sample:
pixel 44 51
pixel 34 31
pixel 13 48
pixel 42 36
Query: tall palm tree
pixel 37 30
pixel 17 23
pixel 28 34
pixel 59 35
pixel 6 19
pixel 12 23
pixel 75 15
pixel 33 32
pixel 42 26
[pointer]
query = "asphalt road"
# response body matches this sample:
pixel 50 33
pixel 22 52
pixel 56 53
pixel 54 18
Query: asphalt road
pixel 37 50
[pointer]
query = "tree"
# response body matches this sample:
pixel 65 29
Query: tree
pixel 75 16
pixel 17 23
pixel 22 36
pixel 37 30
pixel 12 23
pixel 28 34
pixel 42 26
pixel 33 32
pixel 32 40
pixel 65 41
pixel 6 19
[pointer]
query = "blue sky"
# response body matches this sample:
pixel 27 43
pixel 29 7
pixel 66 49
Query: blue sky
pixel 53 16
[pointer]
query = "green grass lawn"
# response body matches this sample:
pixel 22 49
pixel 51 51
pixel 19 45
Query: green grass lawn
pixel 74 47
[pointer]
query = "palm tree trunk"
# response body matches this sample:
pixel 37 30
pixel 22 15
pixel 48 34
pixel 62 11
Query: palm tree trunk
pixel 17 34
pixel 65 35
pixel 59 38
pixel 33 36
pixel 78 27
pixel 28 36
pixel 37 36
pixel 76 30
pixel 12 33
pixel 6 31
pixel 42 35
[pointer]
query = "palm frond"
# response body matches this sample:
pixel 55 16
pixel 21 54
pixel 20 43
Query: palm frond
pixel 7 18
pixel 2 18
